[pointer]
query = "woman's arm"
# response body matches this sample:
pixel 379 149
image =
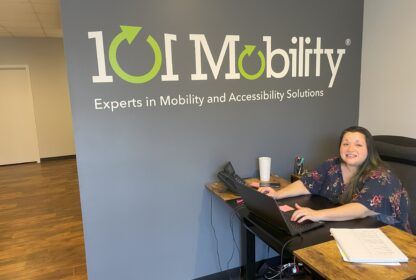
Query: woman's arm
pixel 294 189
pixel 313 179
pixel 344 212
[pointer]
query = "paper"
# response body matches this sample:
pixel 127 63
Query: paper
pixel 367 246
pixel 375 263
pixel 286 208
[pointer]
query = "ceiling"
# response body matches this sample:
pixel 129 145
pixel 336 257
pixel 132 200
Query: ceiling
pixel 30 18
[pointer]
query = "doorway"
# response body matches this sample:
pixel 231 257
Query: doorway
pixel 18 141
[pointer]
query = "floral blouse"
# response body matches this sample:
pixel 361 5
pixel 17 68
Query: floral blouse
pixel 382 191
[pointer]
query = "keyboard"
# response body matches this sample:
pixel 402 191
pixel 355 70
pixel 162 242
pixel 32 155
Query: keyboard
pixel 295 227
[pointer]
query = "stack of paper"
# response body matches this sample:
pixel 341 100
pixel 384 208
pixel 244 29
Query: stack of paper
pixel 367 245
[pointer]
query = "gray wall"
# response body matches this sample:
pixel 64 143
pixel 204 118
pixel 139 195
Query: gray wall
pixel 388 78
pixel 142 170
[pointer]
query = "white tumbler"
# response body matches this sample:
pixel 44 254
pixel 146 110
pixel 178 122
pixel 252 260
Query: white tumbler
pixel 264 166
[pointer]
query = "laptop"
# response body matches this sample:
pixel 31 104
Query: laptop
pixel 273 212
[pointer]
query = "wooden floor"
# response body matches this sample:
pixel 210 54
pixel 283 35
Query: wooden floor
pixel 41 235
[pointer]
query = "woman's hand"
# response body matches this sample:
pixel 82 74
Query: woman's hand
pixel 269 191
pixel 344 212
pixel 304 213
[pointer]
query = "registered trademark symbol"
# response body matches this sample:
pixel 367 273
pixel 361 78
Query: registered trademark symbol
pixel 348 42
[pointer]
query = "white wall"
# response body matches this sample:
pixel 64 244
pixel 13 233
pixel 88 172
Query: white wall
pixel 46 61
pixel 388 74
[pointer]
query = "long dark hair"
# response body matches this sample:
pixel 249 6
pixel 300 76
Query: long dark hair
pixel 372 162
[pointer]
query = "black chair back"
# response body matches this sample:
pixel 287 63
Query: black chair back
pixel 400 154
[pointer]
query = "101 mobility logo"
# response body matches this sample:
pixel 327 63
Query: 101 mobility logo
pixel 296 60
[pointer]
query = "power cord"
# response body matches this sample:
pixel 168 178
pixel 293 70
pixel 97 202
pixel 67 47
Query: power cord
pixel 235 245
pixel 282 254
pixel 216 239
pixel 287 270
pixel 232 253
pixel 272 273
pixel 276 273
pixel 234 214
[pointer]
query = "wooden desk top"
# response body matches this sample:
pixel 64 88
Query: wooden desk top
pixel 217 187
pixel 326 260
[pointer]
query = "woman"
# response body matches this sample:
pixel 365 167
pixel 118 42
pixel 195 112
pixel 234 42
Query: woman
pixel 357 179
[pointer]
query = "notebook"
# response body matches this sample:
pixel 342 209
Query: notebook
pixel 367 245
pixel 273 212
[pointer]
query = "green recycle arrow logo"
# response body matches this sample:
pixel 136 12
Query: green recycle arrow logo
pixel 248 50
pixel 129 33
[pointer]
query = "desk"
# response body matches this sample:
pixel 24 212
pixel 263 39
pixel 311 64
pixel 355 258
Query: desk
pixel 275 238
pixel 218 188
pixel 326 260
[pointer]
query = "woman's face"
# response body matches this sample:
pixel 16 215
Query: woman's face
pixel 353 149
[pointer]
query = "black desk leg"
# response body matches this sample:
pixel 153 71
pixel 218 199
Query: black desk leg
pixel 248 253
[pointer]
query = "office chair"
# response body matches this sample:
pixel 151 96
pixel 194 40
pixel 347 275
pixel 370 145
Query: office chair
pixel 400 154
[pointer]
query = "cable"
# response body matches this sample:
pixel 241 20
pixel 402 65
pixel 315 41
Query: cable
pixel 283 251
pixel 235 245
pixel 232 253
pixel 216 239
pixel 235 213
pixel 237 208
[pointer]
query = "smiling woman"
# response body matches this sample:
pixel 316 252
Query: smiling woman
pixel 357 179
pixel 353 151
